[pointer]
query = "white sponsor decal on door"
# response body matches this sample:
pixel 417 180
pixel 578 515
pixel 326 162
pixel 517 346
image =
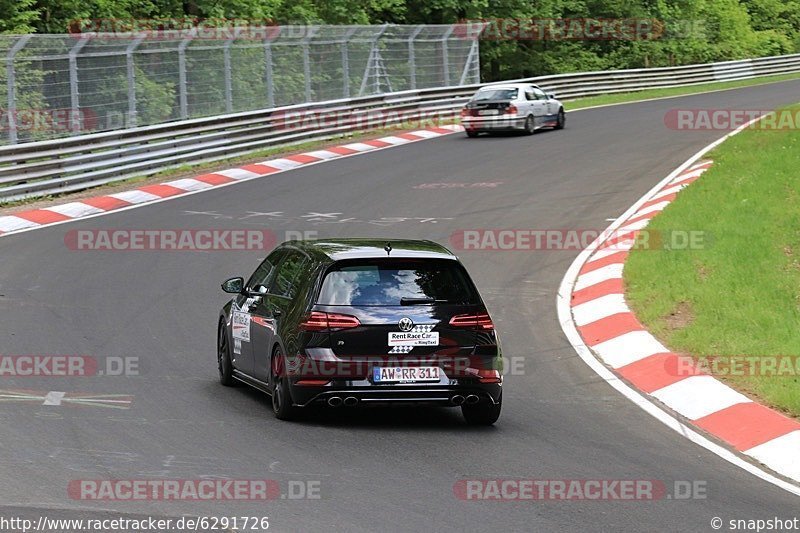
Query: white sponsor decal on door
pixel 241 326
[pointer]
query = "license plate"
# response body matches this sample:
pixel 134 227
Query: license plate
pixel 410 338
pixel 405 374
pixel 487 112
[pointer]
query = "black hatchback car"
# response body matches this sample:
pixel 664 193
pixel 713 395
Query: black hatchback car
pixel 348 322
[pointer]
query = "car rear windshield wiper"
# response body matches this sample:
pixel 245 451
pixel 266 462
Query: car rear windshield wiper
pixel 420 301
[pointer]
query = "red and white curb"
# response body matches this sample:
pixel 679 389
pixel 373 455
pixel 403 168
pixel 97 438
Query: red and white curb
pixel 607 335
pixel 99 205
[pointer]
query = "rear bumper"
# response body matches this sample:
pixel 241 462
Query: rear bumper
pixel 436 394
pixel 498 123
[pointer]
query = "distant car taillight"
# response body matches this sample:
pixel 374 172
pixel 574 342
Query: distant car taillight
pixel 511 110
pixel 319 321
pixel 465 112
pixel 473 320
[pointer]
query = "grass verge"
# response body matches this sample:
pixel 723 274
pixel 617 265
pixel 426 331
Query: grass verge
pixel 739 294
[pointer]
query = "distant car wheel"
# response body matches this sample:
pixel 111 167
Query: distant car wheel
pixel 561 120
pixel 530 126
pixel 482 414
pixel 224 356
pixel 281 398
pixel 472 134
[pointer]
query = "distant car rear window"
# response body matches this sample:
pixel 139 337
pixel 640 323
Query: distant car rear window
pixel 495 94
pixel 387 282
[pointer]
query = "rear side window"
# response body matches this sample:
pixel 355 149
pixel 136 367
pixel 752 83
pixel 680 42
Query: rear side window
pixel 289 275
pixel 389 282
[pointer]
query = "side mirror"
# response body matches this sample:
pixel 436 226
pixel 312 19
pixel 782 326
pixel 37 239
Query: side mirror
pixel 551 96
pixel 233 285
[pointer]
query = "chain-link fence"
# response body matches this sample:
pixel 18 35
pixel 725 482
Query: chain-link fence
pixel 71 84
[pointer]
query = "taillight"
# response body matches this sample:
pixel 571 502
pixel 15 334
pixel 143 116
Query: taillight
pixel 479 321
pixel 489 376
pixel 316 321
pixel 312 382
pixel 465 112
pixel 336 321
pixel 511 110
pixel 319 321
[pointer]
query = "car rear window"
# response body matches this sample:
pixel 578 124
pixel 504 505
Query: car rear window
pixel 495 94
pixel 388 282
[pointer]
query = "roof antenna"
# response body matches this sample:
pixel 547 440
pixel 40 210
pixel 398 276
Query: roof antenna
pixel 388 248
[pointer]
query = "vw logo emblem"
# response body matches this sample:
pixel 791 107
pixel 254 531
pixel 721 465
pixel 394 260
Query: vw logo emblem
pixel 406 324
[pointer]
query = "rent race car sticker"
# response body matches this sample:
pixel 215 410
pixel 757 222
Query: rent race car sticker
pixel 419 335
pixel 412 338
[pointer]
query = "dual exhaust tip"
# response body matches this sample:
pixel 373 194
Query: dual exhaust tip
pixel 471 399
pixel 337 401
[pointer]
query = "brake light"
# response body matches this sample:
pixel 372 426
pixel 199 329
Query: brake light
pixel 479 321
pixel 511 110
pixel 316 321
pixel 336 321
pixel 319 321
pixel 489 376
pixel 312 382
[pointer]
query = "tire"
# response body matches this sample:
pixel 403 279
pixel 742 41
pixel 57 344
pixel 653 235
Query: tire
pixel 482 414
pixel 224 363
pixel 530 125
pixel 281 398
pixel 472 134
pixel 561 120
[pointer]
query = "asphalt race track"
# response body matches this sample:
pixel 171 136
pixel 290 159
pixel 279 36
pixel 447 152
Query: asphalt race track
pixel 377 469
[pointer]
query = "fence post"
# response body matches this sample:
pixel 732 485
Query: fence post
pixel 307 62
pixel 346 63
pixel 446 57
pixel 131 75
pixel 412 57
pixel 306 71
pixel 373 61
pixel 226 58
pixel 472 57
pixel 268 78
pixel 11 86
pixel 74 99
pixel 183 99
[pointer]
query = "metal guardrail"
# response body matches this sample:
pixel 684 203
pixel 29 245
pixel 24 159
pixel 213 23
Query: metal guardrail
pixel 63 165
